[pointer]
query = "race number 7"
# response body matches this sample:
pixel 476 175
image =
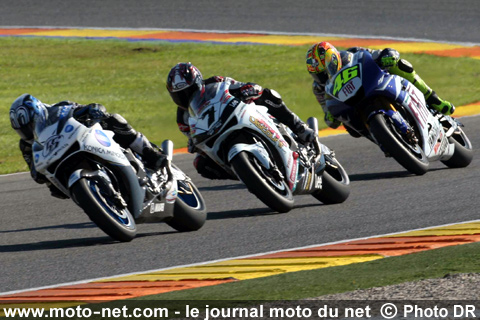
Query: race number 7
pixel 210 113
pixel 343 77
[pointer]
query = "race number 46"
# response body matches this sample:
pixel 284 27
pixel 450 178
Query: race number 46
pixel 344 77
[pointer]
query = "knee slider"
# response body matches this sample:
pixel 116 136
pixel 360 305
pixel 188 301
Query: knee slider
pixel 405 66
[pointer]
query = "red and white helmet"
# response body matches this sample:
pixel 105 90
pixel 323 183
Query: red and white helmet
pixel 182 82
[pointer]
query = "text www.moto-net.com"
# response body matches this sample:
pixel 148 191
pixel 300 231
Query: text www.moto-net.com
pixel 83 312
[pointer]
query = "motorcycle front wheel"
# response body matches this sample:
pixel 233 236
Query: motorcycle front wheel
pixel 272 191
pixel 117 222
pixel 411 157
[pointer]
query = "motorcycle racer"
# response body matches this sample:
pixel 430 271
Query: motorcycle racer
pixel 184 80
pixel 387 59
pixel 26 112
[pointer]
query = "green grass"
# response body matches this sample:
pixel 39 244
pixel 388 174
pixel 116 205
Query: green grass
pixel 129 78
pixel 307 284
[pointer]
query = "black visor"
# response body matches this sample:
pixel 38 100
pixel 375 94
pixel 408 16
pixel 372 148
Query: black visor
pixel 182 98
pixel 321 78
pixel 25 132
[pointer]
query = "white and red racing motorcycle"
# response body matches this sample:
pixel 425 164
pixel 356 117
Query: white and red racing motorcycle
pixel 251 145
pixel 111 184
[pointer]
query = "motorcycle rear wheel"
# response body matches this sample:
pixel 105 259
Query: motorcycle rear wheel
pixel 190 211
pixel 275 194
pixel 118 223
pixel 463 153
pixel 335 185
pixel 414 161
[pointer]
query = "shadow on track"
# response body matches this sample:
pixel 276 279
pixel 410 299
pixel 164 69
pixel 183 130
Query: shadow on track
pixel 386 175
pixel 219 215
pixel 70 243
pixel 246 213
pixel 83 225
pixel 379 175
pixel 153 234
pixel 223 187
pixel 57 244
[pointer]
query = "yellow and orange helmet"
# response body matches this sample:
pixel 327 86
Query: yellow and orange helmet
pixel 322 59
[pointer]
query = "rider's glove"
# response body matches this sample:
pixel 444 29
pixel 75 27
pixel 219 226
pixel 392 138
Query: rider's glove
pixel 97 111
pixel 387 62
pixel 331 121
pixel 55 192
pixel 38 177
pixel 386 58
pixel 250 91
pixel 154 159
pixel 191 146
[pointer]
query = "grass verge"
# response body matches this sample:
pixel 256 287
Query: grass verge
pixel 129 78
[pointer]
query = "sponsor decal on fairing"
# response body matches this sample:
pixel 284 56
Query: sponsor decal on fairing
pixel 102 138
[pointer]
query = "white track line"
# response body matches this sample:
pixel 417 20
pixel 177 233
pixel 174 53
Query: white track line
pixel 227 259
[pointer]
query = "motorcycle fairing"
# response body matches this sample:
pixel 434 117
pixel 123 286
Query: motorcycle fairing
pixel 230 114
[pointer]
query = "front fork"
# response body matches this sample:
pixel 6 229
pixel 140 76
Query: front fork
pixel 311 168
pixel 403 128
pixel 103 181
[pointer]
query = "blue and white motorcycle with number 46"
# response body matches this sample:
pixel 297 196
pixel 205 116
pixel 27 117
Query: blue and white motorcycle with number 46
pixel 391 112
pixel 111 184
pixel 254 147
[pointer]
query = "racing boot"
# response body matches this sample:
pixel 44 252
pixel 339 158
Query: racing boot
pixel 278 109
pixel 152 156
pixel 405 70
pixel 154 159
pixel 438 104
pixel 304 133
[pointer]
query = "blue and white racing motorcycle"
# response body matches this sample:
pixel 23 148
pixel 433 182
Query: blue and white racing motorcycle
pixel 111 184
pixel 392 112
